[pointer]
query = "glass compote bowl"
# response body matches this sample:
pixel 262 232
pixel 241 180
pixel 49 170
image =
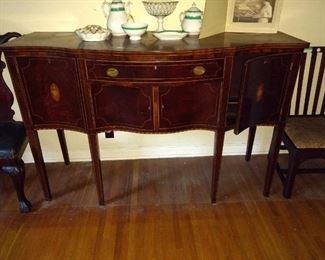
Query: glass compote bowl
pixel 160 9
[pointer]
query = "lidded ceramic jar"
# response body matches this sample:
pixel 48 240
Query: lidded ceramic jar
pixel 191 20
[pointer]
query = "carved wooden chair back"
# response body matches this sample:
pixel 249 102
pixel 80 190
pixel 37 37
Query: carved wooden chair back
pixel 13 139
pixel 310 81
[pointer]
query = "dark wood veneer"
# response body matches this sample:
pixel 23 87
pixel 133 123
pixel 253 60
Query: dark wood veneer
pixel 191 105
pixel 175 70
pixel 149 86
pixel 262 104
pixel 52 89
pixel 126 106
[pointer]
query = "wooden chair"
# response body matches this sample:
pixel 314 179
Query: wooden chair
pixel 13 139
pixel 304 136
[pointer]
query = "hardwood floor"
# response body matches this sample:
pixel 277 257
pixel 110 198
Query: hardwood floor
pixel 160 209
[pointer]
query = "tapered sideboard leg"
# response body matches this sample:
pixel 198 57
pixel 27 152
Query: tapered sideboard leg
pixel 97 169
pixel 63 145
pixel 218 147
pixel 250 142
pixel 35 147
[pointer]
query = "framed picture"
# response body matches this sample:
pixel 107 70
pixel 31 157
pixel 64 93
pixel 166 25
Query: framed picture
pixel 254 16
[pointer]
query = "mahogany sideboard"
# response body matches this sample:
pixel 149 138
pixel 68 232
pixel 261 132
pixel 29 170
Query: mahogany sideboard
pixel 151 86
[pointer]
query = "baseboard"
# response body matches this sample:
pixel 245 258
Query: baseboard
pixel 135 152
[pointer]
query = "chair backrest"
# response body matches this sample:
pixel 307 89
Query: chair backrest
pixel 6 97
pixel 266 87
pixel 309 95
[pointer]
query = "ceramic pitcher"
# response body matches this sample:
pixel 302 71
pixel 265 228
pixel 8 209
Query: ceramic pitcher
pixel 116 15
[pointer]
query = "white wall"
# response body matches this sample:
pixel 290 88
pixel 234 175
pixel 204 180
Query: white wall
pixel 304 19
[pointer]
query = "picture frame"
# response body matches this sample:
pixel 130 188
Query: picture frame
pixel 253 16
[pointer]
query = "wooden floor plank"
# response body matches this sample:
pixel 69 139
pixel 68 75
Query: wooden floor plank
pixel 160 209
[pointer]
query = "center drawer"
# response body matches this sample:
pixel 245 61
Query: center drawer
pixel 138 71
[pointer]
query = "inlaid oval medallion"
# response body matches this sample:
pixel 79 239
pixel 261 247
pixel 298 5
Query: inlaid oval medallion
pixel 55 92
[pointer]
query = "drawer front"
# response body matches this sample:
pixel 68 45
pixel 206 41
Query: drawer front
pixel 52 89
pixel 97 70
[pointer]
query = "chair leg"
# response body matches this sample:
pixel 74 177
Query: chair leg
pixel 272 158
pixel 17 174
pixel 63 145
pixel 250 142
pixel 291 174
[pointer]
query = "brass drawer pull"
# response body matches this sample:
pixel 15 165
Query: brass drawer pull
pixel 199 71
pixel 112 72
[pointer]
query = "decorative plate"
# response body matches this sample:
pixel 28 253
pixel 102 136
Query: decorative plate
pixel 170 35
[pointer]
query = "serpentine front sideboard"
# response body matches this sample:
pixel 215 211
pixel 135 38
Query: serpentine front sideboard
pixel 151 86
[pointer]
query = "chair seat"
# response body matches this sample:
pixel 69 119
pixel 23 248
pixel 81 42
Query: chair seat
pixel 12 139
pixel 306 132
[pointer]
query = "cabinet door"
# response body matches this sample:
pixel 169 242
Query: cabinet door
pixel 52 90
pixel 122 107
pixel 264 86
pixel 189 105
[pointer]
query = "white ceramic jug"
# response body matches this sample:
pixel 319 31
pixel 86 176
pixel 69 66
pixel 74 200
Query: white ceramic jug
pixel 116 15
pixel 191 20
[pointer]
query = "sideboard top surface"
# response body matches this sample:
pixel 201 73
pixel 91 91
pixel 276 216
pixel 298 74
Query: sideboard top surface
pixel 222 42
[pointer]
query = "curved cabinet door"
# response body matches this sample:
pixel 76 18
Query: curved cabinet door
pixel 52 90
pixel 125 107
pixel 189 105
pixel 264 86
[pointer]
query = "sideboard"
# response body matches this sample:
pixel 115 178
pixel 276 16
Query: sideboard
pixel 152 86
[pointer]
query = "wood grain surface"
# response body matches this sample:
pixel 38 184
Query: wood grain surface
pixel 160 209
